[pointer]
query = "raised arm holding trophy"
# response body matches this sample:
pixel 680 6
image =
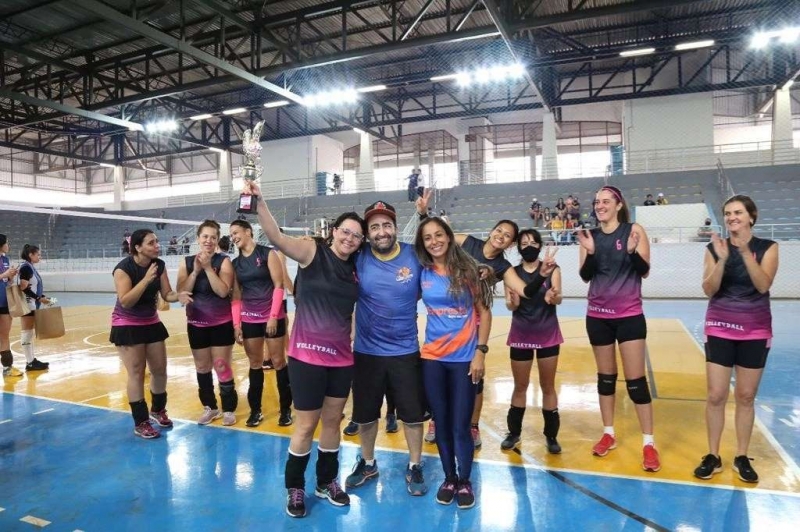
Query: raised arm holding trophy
pixel 251 146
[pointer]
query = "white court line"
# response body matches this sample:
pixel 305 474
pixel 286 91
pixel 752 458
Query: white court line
pixel 35 521
pixel 93 398
pixel 793 467
pixel 43 411
pixel 765 408
pixel 2 423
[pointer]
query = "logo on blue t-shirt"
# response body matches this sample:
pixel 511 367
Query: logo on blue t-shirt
pixel 404 275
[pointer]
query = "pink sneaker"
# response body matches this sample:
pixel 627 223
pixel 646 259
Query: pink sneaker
pixel 145 430
pixel 650 460
pixel 606 443
pixel 161 418
pixel 476 437
pixel 430 436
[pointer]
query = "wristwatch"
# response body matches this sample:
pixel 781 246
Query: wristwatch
pixel 483 348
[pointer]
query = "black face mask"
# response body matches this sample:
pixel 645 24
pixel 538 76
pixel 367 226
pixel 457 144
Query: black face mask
pixel 530 253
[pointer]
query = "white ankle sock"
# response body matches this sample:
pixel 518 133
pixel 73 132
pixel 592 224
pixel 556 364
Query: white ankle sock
pixel 609 431
pixel 647 439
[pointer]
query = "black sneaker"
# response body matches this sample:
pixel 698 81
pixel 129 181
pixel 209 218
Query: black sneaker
pixel 37 365
pixel 510 442
pixel 296 503
pixel 447 491
pixel 285 419
pixel 255 418
pixel 351 429
pixel 334 493
pixel 710 466
pixel 464 496
pixel 361 473
pixel 552 445
pixel 741 464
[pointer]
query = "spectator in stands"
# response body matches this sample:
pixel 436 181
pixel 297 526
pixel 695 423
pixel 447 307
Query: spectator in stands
pixel 444 217
pixel 648 201
pixel 127 235
pixel 421 183
pixel 172 247
pixel 7 274
pixel 705 231
pixel 546 217
pixel 185 245
pixel 557 226
pixel 413 183
pixel 126 247
pixel 224 246
pixel 337 183
pixel 561 207
pixel 662 200
pixel 568 236
pixel 162 225
pixel 535 212
pixel 572 210
pixel 576 205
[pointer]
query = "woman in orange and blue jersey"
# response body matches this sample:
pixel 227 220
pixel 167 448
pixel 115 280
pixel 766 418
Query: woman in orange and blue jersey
pixel 453 354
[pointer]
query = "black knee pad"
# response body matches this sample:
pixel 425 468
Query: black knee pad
pixel 639 391
pixel 228 396
pixel 6 358
pixel 606 383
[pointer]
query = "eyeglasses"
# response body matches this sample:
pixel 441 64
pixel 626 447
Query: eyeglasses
pixel 351 234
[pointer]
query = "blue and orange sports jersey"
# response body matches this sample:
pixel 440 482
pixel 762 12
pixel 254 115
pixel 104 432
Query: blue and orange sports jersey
pixel 386 313
pixel 451 334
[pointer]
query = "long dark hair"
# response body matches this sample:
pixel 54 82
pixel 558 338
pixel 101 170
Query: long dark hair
pixel 530 232
pixel 137 239
pixel 513 224
pixel 27 251
pixel 624 214
pixel 463 270
pixel 3 240
pixel 346 216
pixel 749 205
pixel 244 224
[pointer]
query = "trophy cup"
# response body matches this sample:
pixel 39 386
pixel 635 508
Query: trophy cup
pixel 251 146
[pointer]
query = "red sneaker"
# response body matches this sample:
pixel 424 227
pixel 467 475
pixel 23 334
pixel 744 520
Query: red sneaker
pixel 161 418
pixel 145 430
pixel 606 443
pixel 650 459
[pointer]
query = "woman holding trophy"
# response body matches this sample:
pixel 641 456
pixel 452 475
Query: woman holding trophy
pixel 320 351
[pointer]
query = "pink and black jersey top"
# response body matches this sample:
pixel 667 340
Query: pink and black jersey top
pixel 144 311
pixel 256 284
pixel 207 309
pixel 534 324
pixel 738 311
pixel 325 295
pixel 615 291
pixel 451 332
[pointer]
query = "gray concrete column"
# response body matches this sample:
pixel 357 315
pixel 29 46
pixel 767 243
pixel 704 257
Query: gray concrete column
pixel 365 177
pixel 549 149
pixel 783 151
pixel 119 187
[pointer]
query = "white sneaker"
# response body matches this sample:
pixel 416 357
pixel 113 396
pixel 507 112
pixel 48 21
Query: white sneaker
pixel 209 415
pixel 228 418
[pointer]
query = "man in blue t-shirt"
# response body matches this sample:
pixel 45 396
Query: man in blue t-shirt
pixel 387 358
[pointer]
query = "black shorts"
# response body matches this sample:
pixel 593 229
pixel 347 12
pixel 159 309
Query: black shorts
pixel 526 355
pixel 312 384
pixel 3 310
pixel 375 376
pixel 138 334
pixel 215 336
pixel 603 331
pixel 259 330
pixel 750 354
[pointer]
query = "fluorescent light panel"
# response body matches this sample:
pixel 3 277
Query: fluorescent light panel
pixel 372 88
pixel 694 45
pixel 205 116
pixel 640 51
pixel 278 103
pixel 762 39
pixel 218 150
pixel 236 111
pixel 106 165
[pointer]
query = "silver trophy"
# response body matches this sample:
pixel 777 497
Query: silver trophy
pixel 252 170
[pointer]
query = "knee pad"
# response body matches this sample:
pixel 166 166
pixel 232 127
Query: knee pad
pixel 6 358
pixel 228 396
pixel 223 369
pixel 606 383
pixel 639 391
pixel 26 337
